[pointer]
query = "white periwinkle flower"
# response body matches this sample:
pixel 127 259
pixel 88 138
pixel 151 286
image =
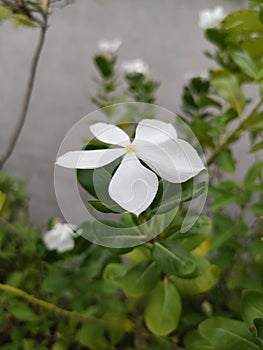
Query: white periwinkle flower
pixel 109 46
pixel 60 237
pixel 133 186
pixel 211 18
pixel 135 66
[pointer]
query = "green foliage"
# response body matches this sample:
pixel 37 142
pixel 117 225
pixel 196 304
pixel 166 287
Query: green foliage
pixel 198 290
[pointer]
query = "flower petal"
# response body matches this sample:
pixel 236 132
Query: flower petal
pixel 89 159
pixel 111 134
pixel 175 160
pixel 66 243
pixel 155 131
pixel 133 186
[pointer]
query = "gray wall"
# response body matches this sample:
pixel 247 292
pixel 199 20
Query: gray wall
pixel 163 32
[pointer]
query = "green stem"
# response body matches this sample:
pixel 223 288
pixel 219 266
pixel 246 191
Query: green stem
pixel 233 134
pixel 9 226
pixel 48 306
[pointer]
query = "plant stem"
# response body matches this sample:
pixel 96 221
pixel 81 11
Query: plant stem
pixel 233 134
pixel 46 305
pixel 29 89
pixel 9 226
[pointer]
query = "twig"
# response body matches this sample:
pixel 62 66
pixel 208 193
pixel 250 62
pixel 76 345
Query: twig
pixel 9 226
pixel 29 90
pixel 232 135
pixel 46 305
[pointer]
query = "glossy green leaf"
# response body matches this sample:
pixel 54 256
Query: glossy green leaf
pixel 228 87
pixel 141 278
pixel 194 341
pixel 252 305
pixel 227 334
pixel 199 284
pixel 173 259
pixel 245 62
pixel 163 308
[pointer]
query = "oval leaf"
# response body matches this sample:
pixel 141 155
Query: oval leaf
pixel 252 305
pixel 141 278
pixel 163 309
pixel 172 258
pixel 227 334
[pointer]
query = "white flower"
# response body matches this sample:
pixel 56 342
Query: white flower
pixel 60 237
pixel 109 46
pixel 135 66
pixel 133 186
pixel 211 18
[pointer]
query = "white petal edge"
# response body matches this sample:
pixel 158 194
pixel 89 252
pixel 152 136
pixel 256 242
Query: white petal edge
pixel 89 159
pixel 176 161
pixel 155 131
pixel 111 134
pixel 133 186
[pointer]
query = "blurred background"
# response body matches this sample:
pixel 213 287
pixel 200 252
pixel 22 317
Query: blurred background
pixel 164 33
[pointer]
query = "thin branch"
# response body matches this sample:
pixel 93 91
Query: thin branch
pixel 46 305
pixel 29 89
pixel 233 134
pixel 9 226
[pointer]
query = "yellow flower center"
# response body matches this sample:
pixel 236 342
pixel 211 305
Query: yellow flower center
pixel 130 148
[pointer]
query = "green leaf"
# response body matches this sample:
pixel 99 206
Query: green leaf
pixel 258 323
pixel 253 174
pixel 114 273
pixel 96 182
pixel 92 335
pixel 257 208
pixel 226 161
pixel 223 230
pixel 22 311
pixel 5 13
pixel 258 146
pixel 173 259
pixel 199 284
pixel 245 62
pixel 2 200
pixel 102 208
pixel 227 334
pixel 194 341
pixel 196 235
pixel 241 23
pixel 259 76
pixel 141 278
pixel 21 19
pixel 252 305
pixel 228 87
pixel 104 65
pixel 163 308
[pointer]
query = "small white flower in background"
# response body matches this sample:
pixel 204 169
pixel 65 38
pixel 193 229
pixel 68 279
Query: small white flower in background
pixel 133 186
pixel 60 237
pixel 109 46
pixel 211 18
pixel 135 66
